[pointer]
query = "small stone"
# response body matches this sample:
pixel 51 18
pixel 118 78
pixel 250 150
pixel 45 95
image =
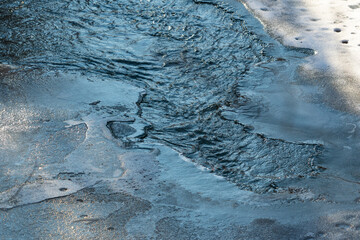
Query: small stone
pixel 309 236
pixel 95 103
pixel 120 130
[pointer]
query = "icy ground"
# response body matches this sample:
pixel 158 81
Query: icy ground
pixel 80 176
pixel 331 28
pixel 77 162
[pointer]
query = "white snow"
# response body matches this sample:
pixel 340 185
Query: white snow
pixel 330 27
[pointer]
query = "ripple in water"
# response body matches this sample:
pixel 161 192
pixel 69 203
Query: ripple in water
pixel 195 59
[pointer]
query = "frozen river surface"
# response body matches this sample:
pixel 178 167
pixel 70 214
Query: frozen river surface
pixel 168 120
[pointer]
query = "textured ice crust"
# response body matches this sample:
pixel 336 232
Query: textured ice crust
pixel 76 162
pixel 210 66
pixel 195 73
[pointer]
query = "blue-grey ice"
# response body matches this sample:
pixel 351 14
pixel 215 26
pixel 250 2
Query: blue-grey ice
pixel 135 119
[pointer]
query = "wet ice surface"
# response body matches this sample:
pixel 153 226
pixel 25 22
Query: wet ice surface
pixel 135 119
pixel 56 133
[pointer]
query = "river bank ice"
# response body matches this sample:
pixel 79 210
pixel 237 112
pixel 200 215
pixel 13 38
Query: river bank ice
pixel 330 28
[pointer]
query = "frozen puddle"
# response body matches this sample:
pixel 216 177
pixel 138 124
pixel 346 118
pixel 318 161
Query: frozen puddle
pixel 77 133
pixel 78 156
pixel 74 133
pixel 81 163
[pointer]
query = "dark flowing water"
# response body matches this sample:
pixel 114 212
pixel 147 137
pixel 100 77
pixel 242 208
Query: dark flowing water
pixel 203 65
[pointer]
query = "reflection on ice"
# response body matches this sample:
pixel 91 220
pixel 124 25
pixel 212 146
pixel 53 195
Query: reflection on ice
pixel 41 156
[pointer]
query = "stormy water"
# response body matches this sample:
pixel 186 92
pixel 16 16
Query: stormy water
pixel 217 88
